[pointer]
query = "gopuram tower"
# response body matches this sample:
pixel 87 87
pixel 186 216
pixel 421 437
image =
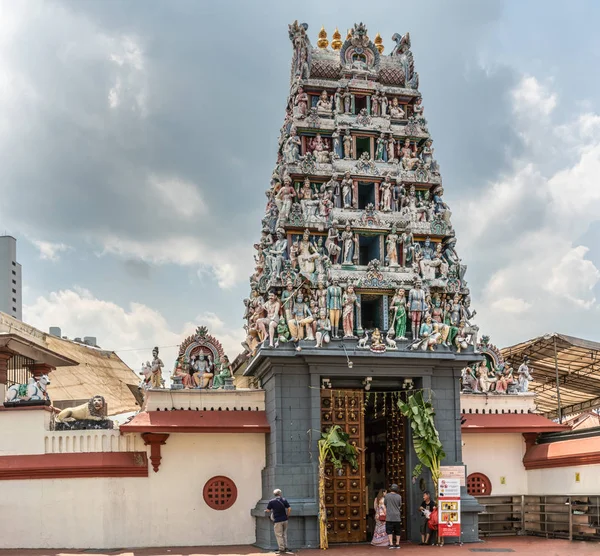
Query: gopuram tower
pixel 359 297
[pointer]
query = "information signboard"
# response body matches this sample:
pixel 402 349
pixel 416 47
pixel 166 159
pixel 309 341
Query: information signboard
pixel 449 507
pixel 454 472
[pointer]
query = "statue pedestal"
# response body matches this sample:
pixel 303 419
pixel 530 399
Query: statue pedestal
pixel 176 383
pixel 228 384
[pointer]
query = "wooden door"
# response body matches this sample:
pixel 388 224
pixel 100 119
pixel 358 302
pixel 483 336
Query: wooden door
pixel 345 488
pixel 395 456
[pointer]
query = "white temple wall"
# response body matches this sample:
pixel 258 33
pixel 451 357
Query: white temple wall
pixel 563 480
pixel 165 509
pixel 22 432
pixel 498 455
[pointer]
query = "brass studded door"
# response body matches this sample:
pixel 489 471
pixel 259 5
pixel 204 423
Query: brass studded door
pixel 395 454
pixel 345 488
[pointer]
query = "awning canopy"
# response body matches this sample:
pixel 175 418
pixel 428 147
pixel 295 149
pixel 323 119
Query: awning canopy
pixel 508 422
pixel 577 363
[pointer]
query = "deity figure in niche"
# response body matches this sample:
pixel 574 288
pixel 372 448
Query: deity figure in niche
pixel 399 196
pixel 301 103
pixel 321 295
pixel 347 95
pixel 398 314
pixel 418 109
pixel 416 212
pixel 323 329
pixel 310 206
pixel 456 310
pixel 268 324
pixel 301 321
pixel 408 248
pixel 337 144
pixel 320 149
pixel 287 301
pixel 349 301
pixel 278 253
pixel 426 254
pixel 470 382
pixel 386 194
pixel 181 371
pixel 271 217
pixel 347 144
pixel 334 187
pixel 390 148
pixel 437 313
pixel 334 305
pixel 284 199
pixel 396 111
pixel 505 380
pixel 347 190
pixel 331 244
pixel 283 332
pixel 524 376
pixel 409 160
pixel 349 247
pixel 383 101
pixel 375 104
pixel 307 255
pixel 439 262
pixel 294 254
pixel 291 149
pixel 203 371
pixel 380 151
pixel 324 104
pixel 427 154
pixel 156 379
pixel 440 207
pixel 339 101
pixel 417 307
pixel 224 373
pixel 325 206
pixel 391 252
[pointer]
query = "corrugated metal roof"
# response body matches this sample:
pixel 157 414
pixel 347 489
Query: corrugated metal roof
pixel 578 364
pixel 99 372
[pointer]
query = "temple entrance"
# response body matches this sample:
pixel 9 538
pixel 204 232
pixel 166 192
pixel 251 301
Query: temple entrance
pixel 374 423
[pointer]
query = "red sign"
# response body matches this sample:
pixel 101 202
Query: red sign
pixel 449 507
pixel 448 529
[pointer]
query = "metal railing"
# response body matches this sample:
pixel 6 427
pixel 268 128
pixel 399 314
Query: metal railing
pixel 575 517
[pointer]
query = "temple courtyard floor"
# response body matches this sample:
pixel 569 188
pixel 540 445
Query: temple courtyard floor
pixel 508 545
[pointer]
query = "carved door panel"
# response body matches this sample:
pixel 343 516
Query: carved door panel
pixel 395 455
pixel 345 488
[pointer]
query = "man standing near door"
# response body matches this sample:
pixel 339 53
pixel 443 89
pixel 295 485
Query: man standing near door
pixel 279 510
pixel 393 503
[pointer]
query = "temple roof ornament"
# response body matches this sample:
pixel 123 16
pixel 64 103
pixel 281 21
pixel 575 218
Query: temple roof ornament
pixel 355 208
pixel 201 341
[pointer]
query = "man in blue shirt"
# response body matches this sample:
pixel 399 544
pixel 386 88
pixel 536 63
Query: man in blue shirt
pixel 279 510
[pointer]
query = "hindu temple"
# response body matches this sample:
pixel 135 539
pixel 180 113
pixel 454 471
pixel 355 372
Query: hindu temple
pixel 359 297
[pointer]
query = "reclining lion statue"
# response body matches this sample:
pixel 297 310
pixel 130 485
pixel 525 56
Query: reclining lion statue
pixel 93 410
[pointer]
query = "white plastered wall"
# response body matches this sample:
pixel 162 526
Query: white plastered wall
pixel 497 456
pixel 562 480
pixel 165 509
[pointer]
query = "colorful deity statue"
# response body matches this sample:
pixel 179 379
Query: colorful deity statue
pixel 349 302
pixel 398 314
pixel 224 373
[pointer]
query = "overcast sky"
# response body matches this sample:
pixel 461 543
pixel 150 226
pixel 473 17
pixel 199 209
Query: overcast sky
pixel 137 139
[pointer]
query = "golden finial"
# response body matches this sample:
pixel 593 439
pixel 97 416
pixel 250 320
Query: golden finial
pixel 378 42
pixel 336 43
pixel 322 42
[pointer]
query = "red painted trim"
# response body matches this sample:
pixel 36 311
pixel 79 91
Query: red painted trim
pixel 508 423
pixel 199 422
pixel 72 466
pixel 31 408
pixel 155 440
pixel 568 453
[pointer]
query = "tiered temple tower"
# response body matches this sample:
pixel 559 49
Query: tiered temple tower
pixel 357 276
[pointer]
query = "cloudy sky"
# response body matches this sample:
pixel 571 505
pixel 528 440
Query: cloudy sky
pixel 137 139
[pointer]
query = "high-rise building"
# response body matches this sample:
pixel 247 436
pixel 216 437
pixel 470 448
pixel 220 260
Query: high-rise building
pixel 359 298
pixel 10 278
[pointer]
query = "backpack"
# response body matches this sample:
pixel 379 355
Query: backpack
pixel 432 523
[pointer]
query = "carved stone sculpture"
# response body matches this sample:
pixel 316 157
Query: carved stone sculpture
pixel 35 391
pixel 350 301
pixel 89 415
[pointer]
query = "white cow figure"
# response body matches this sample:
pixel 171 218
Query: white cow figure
pixel 34 390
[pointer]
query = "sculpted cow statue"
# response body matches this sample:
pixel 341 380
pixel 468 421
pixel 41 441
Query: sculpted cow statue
pixel 34 390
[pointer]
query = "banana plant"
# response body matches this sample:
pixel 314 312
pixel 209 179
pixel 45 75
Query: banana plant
pixel 426 439
pixel 334 447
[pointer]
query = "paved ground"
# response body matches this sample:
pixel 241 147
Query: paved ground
pixel 529 546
